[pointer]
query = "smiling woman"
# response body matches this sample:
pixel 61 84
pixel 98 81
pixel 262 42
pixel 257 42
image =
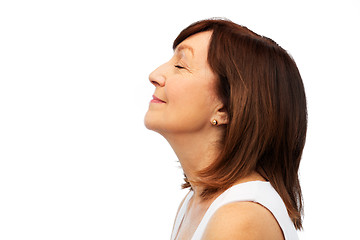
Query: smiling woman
pixel 187 85
pixel 232 106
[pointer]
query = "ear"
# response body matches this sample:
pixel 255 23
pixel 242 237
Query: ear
pixel 221 115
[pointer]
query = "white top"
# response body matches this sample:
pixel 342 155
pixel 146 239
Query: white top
pixel 255 191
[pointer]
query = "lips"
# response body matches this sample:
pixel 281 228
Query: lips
pixel 156 100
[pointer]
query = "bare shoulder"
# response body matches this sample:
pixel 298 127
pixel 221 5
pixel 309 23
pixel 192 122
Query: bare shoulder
pixel 243 221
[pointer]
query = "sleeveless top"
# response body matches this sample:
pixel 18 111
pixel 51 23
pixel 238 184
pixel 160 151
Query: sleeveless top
pixel 254 191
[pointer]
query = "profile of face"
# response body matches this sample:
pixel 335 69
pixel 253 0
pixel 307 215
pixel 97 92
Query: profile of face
pixel 185 99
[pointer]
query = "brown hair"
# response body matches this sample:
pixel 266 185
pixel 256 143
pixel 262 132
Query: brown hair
pixel 263 93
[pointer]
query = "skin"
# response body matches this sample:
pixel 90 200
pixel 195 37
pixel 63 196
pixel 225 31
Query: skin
pixel 186 86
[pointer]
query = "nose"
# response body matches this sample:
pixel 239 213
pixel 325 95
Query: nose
pixel 157 78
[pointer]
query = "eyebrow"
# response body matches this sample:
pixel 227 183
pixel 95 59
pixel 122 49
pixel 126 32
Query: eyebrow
pixel 184 46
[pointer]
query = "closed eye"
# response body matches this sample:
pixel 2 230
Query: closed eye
pixel 179 67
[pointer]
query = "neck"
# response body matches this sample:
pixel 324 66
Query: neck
pixel 195 152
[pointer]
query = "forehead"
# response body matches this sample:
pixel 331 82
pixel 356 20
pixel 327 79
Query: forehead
pixel 197 44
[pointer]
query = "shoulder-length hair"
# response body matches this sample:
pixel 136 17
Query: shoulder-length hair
pixel 263 94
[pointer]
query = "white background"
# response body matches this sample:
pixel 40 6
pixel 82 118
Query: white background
pixel 76 161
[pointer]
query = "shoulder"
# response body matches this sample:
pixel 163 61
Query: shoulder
pixel 243 221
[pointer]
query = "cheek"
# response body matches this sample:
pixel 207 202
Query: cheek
pixel 191 101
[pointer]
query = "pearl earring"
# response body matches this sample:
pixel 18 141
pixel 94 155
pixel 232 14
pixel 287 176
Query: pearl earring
pixel 214 122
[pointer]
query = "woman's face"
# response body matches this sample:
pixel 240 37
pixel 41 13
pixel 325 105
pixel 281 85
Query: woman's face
pixel 184 100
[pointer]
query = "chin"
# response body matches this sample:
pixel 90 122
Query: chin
pixel 156 125
pixel 147 121
pixel 150 123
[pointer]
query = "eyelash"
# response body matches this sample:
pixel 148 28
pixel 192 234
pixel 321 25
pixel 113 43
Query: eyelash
pixel 179 67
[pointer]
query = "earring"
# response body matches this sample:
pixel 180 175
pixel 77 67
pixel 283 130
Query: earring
pixel 214 122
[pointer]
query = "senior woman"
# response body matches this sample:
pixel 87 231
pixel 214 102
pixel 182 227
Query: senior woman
pixel 231 104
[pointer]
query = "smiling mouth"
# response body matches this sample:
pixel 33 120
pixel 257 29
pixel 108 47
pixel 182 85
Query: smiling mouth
pixel 156 100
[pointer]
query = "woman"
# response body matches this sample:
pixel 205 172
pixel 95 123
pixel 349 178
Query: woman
pixel 232 105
